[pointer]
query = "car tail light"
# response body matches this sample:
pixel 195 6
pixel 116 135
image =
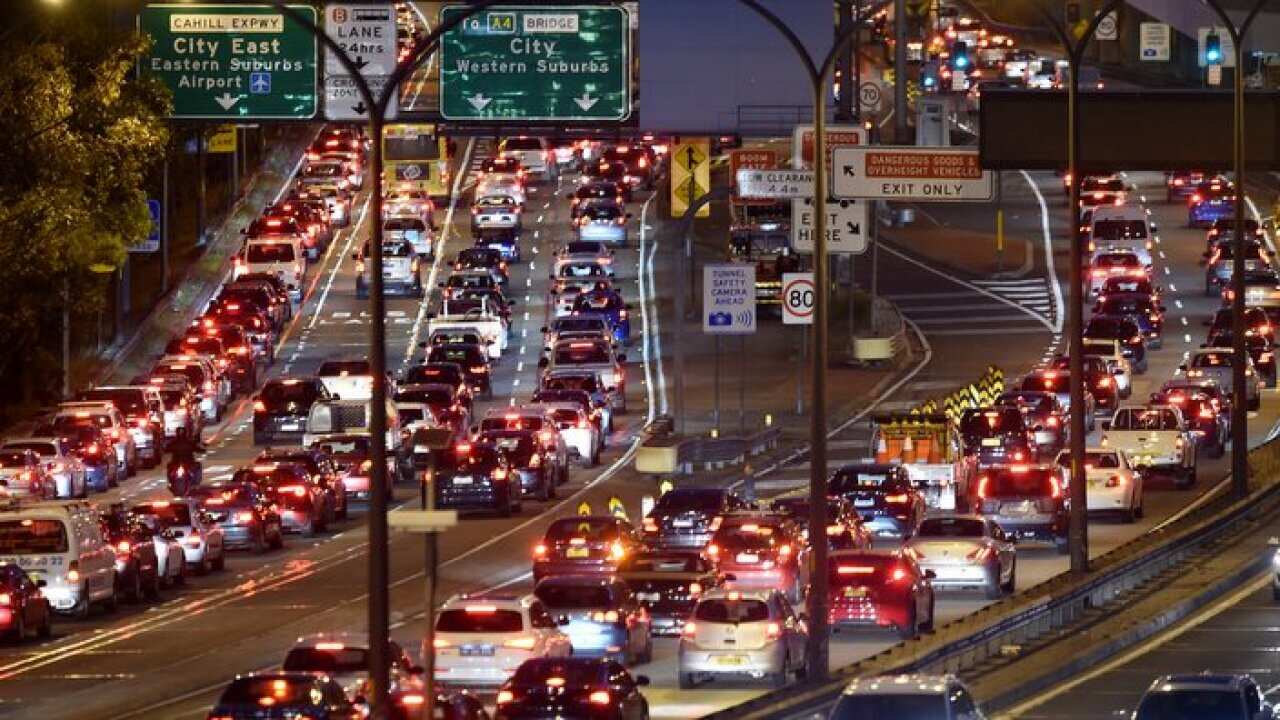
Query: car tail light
pixel 1053 421
pixel 1104 382
pixel 617 551
pixel 540 550
pixel 73 572
pixel 784 550
pixel 479 369
pixel 295 490
pixel 440 643
pixel 689 630
pixel 773 631
pixel 413 700
pixel 618 377
pixel 695 588
pixel 715 523
pixel 499 473
pixel 982 554
pixel 1115 481
pixel 583 424
pixel 713 550
pixel 897 499
pixel 259 406
pixel 1055 489
pixel 650 525
pixel 610 616
pixel 505 697
pixel 599 697
pixel 244 518
pixel 122 547
pixel 898 575
pixel 524 643
pixel 834 530
pixel 983 485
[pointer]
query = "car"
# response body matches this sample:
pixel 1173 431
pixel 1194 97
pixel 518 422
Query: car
pixel 62 547
pixel 494 211
pixel 534 154
pixel 597 355
pixel 601 616
pixel 501 168
pixel 445 404
pixel 412 203
pixel 320 470
pixel 609 304
pixel 596 407
pixel 171 563
pixel 689 517
pixel 1108 262
pixel 65 469
pixel 1028 502
pixel 883 496
pixel 103 415
pixel 589 326
pixel 593 192
pixel 1155 439
pixel 1150 315
pixel 538 472
pixel 567 152
pixel 966 552
pixel 247 514
pixel 1219 264
pixel 401 269
pixel 1215 363
pixel 578 271
pixel 353 461
pixel 284 227
pixel 1126 331
pixel 240 361
pixel 344 657
pixel 603 171
pixel 1103 190
pixel 140 407
pixel 640 161
pixel 202 539
pixel 459 281
pixel 668 584
pixel 603 396
pixel 472 358
pixel 23 607
pixel 23 475
pixel 1207 417
pixel 1136 284
pixel 505 240
pixel 530 417
pixel 742 632
pixel 302 506
pixel 202 383
pixel 999 434
pixel 1213 200
pixel 879 588
pixel 845 529
pixel 1223 229
pixel 503 185
pixel 584 545
pixel 1113 486
pixel 88 443
pixel 604 222
pixel 1042 413
pixel 1182 184
pixel 1112 356
pixel 574 687
pixel 1122 227
pixel 476 476
pixel 909 697
pixel 412 229
pixel 1100 385
pixel 481 639
pixel 281 408
pixel 1261 289
pixel 349 379
pixel 137 567
pixel 447 373
pixel 309 219
pixel 255 326
pixel 756 550
pixel 282 256
pixel 1205 695
pixel 483 259
pixel 286 694
pixel 581 435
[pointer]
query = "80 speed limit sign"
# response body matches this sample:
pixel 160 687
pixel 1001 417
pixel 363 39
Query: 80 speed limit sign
pixel 798 298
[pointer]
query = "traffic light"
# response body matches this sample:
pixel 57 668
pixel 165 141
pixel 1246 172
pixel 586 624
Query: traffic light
pixel 1213 49
pixel 960 56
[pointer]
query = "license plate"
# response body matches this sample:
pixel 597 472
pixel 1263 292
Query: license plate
pixel 860 502
pixel 649 597
pixel 476 650
pixel 731 660
pixel 682 523
pixel 990 442
pixel 577 553
pixel 290 426
pixel 748 557
pixel 857 592
pixel 463 480
pixel 1016 510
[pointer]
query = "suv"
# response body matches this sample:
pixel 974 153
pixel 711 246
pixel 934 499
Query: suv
pixel 481 639
pixel 668 583
pixel 761 551
pixel 1026 501
pixel 534 154
pixel 477 477
pixel 1207 695
pixel 883 496
pixel 536 467
pixel 601 616
pixel 997 435
pixel 907 697
pixel 584 545
pixel 281 409
pixel 401 271
pixel 689 517
pixel 142 408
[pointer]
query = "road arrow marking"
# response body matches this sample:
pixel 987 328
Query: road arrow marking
pixel 479 102
pixel 586 102
pixel 226 100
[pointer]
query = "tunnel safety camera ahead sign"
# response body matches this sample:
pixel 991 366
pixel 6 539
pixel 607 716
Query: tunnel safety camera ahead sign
pixel 729 299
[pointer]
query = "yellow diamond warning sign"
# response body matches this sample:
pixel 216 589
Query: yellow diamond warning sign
pixel 690 175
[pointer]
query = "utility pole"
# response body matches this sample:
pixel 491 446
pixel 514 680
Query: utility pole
pixel 847 109
pixel 900 72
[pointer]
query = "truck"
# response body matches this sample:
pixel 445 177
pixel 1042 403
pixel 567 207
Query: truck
pixel 929 447
pixel 761 234
pixel 1155 438
pixel 471 316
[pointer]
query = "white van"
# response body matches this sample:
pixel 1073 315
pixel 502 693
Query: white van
pixel 61 546
pixel 276 254
pixel 1122 226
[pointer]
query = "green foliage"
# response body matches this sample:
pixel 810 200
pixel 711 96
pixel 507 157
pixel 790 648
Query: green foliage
pixel 79 138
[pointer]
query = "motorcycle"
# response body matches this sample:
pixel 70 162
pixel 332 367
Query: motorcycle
pixel 183 476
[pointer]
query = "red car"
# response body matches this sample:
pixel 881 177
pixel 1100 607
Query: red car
pixel 23 608
pixel 584 545
pixel 879 588
pixel 760 552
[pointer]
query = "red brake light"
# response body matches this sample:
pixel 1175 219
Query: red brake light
pixel 983 485
pixel 773 631
pixel 689 629
pixel 539 550
pixel 899 574
pixel 259 406
pixel 1055 488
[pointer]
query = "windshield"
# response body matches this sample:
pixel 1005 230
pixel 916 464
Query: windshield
pixel 340 659
pixel 269 253
pixel 732 611
pixel 690 500
pixel 480 619
pixel 342 368
pixel 562 595
pixel 1142 419
pixel 880 706
pixel 1211 360
pixel 952 527
pixel 32 536
pixel 1191 705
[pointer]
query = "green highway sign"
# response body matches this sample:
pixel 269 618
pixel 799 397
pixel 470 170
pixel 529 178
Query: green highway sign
pixel 531 62
pixel 233 61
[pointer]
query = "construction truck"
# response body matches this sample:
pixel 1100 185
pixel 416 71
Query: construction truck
pixel 929 447
pixel 761 234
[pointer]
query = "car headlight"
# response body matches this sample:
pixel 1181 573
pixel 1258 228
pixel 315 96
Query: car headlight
pixel 1275 559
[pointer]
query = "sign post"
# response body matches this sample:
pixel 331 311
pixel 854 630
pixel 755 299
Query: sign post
pixel 232 61
pixel 1155 40
pixel 366 33
pixel 690 176
pixel 536 63
pixel 911 173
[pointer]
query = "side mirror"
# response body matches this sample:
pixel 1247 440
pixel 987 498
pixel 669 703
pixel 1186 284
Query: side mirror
pixel 642 680
pixel 930 574
pixel 629 216
pixel 335 396
pixel 1182 367
pixel 422 343
pixel 543 362
pixel 511 303
pixel 551 276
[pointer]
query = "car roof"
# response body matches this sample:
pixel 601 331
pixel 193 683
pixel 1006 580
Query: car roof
pixel 503 601
pixel 912 684
pixel 723 594
pixel 353 639
pixel 1199 681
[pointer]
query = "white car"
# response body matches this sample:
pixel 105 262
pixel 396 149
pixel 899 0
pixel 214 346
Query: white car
pixel 1113 486
pixel 579 433
pixel 535 156
pixel 495 211
pixel 502 185
pixel 1122 226
pixel 276 256
pixel 411 202
pixel 1108 262
pixel 1214 363
pixel 105 416
pixel 460 316
pixel 412 228
pixel 754 633
pixel 604 222
pixel 346 379
pixel 64 467
pixel 200 537
pixel 903 696
pixel 171 560
pixel 587 251
pixel 966 551
pixel 480 640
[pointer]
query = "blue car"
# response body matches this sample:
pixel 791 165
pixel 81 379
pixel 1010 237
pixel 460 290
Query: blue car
pixel 601 616
pixel 1214 200
pixel 607 303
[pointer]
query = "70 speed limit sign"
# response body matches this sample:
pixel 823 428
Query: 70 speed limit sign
pixel 798 298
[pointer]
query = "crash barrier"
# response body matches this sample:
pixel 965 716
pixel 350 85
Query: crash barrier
pixel 1052 606
pixel 888 339
pixel 669 455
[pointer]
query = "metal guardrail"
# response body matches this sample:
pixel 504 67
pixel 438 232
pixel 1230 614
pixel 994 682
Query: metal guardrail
pixel 1052 605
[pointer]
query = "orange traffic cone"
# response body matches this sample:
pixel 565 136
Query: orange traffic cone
pixel 882 451
pixel 908 450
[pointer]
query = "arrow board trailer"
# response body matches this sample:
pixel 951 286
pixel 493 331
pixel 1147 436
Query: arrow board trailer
pixel 907 173
pixel 848 225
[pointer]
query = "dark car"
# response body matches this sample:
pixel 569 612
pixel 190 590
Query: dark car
pixel 1027 502
pixel 482 258
pixel 640 161
pixel 1043 416
pixel 94 449
pixel 997 435
pixel 448 373
pixel 572 687
pixel 449 405
pixel 688 517
pixel 882 495
pixel 538 472
pixel 505 240
pixel 585 544
pixel 1101 389
pixel 320 467
pixel 23 607
pixel 300 503
pixel 1140 305
pixel 137 570
pixel 600 191
pixel 602 171
pixel 472 476
pixel 594 406
pixel 601 616
pixel 280 411
pixel 247 514
pixel 668 584
pixel 845 529
pixel 472 358
pixel 1205 416
pixel 607 303
pixel 1124 328
pixel 283 694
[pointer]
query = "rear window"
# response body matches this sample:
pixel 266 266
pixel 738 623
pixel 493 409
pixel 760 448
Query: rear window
pixel 32 536
pixel 11 459
pixel 269 253
pixel 952 527
pixel 569 596
pixel 991 422
pixel 480 619
pixel 343 367
pixel 422 374
pixel 168 514
pixel 515 444
pixel 303 393
pixel 572 323
pixel 1099 460
pixel 522 144
pixel 1054 384
pixel 1211 360
pixel 588 383
pixel 336 660
pixel 1028 483
pixel 1119 229
pixel 1116 260
pixel 460 355
pixel 401 224
pixel 690 500
pixel 1140 419
pixel 580 353
pixel 129 402
pixel 581 270
pixel 1192 705
pixel 889 707
pixel 250 691
pixel 437 396
pixel 594 530
pixel 566 418
pixel 732 611
pixel 496 201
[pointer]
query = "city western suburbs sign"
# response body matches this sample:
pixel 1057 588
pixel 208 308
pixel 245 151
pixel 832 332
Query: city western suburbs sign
pixel 537 63
pixel 232 61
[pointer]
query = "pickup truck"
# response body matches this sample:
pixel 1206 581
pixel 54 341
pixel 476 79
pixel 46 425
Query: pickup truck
pixel 463 316
pixel 1155 438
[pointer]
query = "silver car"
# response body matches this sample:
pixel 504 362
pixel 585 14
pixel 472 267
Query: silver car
pixel 906 697
pixel 401 271
pixel 742 633
pixel 1215 364
pixel 966 551
pixel 604 222
pixel 495 211
pixel 413 229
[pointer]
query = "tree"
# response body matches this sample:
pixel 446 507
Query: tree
pixel 79 135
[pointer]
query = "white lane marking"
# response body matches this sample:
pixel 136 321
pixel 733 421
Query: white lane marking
pixel 1173 288
pixel 1138 651
pixel 520 366
pixel 540 218
pixel 333 274
pixel 1048 254
pixel 1184 321
pixel 1166 270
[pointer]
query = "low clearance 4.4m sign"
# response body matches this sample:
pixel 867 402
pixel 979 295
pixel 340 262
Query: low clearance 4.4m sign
pixel 907 173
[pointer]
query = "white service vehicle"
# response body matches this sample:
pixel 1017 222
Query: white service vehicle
pixel 61 545
pixel 1153 437
pixel 457 316
pixel 1122 226
pixel 277 256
